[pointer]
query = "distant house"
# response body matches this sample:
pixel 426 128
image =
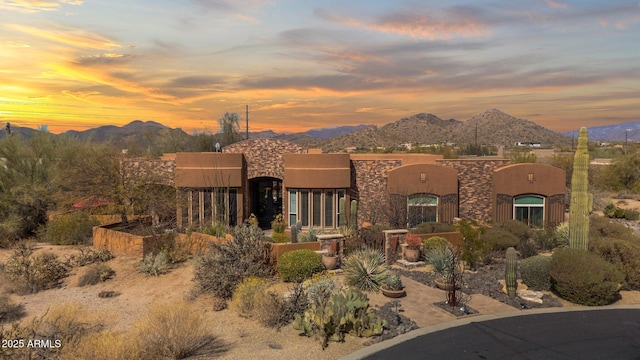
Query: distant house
pixel 528 144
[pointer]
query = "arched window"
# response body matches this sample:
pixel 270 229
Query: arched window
pixel 421 208
pixel 529 209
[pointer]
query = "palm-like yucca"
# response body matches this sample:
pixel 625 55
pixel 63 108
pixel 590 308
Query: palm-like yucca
pixel 365 270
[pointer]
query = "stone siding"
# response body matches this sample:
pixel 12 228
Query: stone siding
pixel 156 171
pixel 475 177
pixel 369 188
pixel 264 157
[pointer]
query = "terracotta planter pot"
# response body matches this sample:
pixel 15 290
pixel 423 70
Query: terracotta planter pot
pixel 392 293
pixel 442 284
pixel 330 262
pixel 412 255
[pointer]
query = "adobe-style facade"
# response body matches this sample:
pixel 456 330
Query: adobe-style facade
pixel 268 177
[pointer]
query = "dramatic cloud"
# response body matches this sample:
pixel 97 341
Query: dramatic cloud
pixel 37 6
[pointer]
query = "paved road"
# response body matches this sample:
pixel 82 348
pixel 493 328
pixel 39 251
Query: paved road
pixel 589 334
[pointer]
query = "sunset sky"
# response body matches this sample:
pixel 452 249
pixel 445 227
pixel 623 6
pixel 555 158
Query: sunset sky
pixel 74 64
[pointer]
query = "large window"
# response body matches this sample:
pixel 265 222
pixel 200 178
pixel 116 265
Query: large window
pixel 206 206
pixel 421 208
pixel 318 208
pixel 529 209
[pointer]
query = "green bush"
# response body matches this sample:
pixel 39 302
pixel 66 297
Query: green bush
pixel 280 237
pixel 432 227
pixel 601 227
pixel 217 230
pixel 527 249
pixel 434 242
pixel 561 235
pixel 365 270
pixel 515 227
pixel 88 256
pixel 29 273
pixel 298 265
pixel 96 273
pixel 624 254
pixel 69 229
pixel 534 272
pixel 155 265
pixel 584 278
pixel 245 294
pixel 499 239
pixel 225 265
pixel 278 225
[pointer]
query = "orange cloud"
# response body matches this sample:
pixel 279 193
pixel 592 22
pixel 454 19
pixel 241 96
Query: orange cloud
pixel 31 6
pixel 69 36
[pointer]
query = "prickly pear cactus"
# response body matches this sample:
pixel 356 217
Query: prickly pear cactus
pixel 580 200
pixel 511 272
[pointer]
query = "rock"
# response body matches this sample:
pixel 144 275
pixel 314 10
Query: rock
pixel 531 296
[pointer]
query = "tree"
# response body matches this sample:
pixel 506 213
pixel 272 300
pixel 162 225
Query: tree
pixel 230 128
pixel 25 184
pixel 624 174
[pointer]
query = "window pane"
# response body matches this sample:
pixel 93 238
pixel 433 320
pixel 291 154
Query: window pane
pixel 529 200
pixel 317 208
pixel 293 207
pixel 304 208
pixel 328 209
pixel 537 215
pixel 233 207
pixel 522 214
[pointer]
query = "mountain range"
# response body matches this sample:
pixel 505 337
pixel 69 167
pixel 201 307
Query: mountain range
pixel 492 127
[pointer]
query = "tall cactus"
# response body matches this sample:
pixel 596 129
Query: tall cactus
pixel 511 272
pixel 343 214
pixel 580 201
pixel 294 233
pixel 353 216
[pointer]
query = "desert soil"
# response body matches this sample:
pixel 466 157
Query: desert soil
pixel 246 338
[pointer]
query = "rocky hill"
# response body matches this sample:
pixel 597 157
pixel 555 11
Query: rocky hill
pixel 493 127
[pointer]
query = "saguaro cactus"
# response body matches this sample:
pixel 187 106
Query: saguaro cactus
pixel 579 210
pixel 294 233
pixel 343 215
pixel 353 216
pixel 511 272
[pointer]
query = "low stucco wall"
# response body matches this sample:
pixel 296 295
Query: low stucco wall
pixel 119 242
pixel 453 237
pixel 277 249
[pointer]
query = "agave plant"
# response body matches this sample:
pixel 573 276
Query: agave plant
pixel 365 269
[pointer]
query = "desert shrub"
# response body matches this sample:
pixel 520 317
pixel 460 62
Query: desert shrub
pixel 69 229
pixel 218 230
pixel 434 242
pixel 279 237
pixel 10 311
pixel 624 254
pixel 310 236
pixel 96 273
pixel 278 225
pixel 275 310
pixel 631 215
pixel 319 288
pixel 601 227
pixel 104 346
pixel 612 211
pixel 155 265
pixel 432 227
pixel 365 270
pixel 561 235
pixel 473 248
pixel 515 227
pixel 584 278
pixel 298 265
pixel 88 256
pixel 29 273
pixel 527 249
pixel 245 294
pixel 176 331
pixel 440 258
pixel 534 272
pixel 499 239
pixel 225 265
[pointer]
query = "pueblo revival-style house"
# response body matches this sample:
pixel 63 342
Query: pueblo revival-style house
pixel 268 177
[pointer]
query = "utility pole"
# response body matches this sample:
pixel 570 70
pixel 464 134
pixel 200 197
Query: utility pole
pixel 247 117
